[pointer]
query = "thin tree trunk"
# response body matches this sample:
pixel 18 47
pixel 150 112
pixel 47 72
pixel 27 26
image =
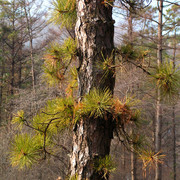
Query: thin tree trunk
pixel 173 116
pixel 28 22
pixel 133 155
pixel 12 60
pixel 160 27
pixel 133 163
pixel 20 53
pixel 1 88
pixel 124 158
pixel 133 166
pixel 12 69
pixel 133 160
pixel 92 137
pixel 158 127
pixel 12 72
pixel 1 83
pixel 2 67
pixel 174 143
pixel 130 27
pixel 32 64
pixel 158 121
pixel 20 73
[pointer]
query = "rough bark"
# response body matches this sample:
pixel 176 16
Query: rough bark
pixel 92 137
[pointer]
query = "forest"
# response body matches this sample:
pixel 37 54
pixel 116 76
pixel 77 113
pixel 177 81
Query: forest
pixel 89 89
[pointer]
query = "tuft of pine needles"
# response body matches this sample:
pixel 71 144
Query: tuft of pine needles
pixel 19 119
pixel 128 52
pixel 125 112
pixel 25 150
pixel 64 13
pixel 58 115
pixel 97 103
pixel 107 66
pixel 58 59
pixel 168 81
pixel 104 166
pixel 150 158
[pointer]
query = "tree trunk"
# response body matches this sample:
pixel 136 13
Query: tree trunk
pixel 1 88
pixel 32 64
pixel 133 166
pixel 12 56
pixel 20 72
pixel 92 137
pixel 173 115
pixel 130 27
pixel 158 127
pixel 20 53
pixel 12 73
pixel 160 27
pixel 158 121
pixel 12 68
pixel 133 155
pixel 133 160
pixel 29 27
pixel 174 143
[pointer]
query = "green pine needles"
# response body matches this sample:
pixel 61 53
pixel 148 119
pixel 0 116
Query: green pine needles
pixel 63 113
pixel 104 166
pixel 56 116
pixel 97 103
pixel 128 52
pixel 139 142
pixel 168 80
pixel 64 13
pixel 26 150
pixel 19 119
pixel 72 81
pixel 107 66
pixel 75 177
pixel 58 59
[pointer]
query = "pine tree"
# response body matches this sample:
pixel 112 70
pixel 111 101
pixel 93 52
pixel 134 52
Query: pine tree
pixel 94 116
